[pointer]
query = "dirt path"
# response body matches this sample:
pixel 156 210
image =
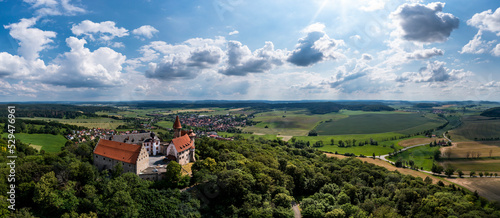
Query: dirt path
pixel 391 167
pixel 286 137
pixel 296 210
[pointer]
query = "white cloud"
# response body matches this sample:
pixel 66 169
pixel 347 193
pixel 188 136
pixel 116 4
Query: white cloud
pixel 424 23
pixel 146 31
pixel 424 53
pixel 241 61
pixel 234 32
pixel 315 47
pixel 31 40
pixel 106 30
pixel 434 72
pixel 81 67
pixel 487 21
pixel 373 5
pixel 496 50
pixel 54 7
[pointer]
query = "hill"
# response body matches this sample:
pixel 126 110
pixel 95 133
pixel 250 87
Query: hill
pixel 492 112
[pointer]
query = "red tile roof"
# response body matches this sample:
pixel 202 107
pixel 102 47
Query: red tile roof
pixel 177 123
pixel 182 143
pixel 124 152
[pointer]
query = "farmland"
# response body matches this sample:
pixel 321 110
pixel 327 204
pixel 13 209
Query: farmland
pixel 460 149
pixel 47 142
pixel 405 123
pixel 476 128
pixel 492 165
pixel 99 122
pixel 486 187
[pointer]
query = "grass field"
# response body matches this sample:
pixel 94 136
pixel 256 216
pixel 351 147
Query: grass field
pixel 247 136
pixel 47 142
pixel 366 150
pixel 359 137
pixel 460 149
pixel 99 122
pixel 476 165
pixel 421 156
pixel 165 124
pixel 476 127
pixel 365 123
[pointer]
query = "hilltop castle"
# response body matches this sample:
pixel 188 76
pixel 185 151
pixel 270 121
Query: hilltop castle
pixel 132 151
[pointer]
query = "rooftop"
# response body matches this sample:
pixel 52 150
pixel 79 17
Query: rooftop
pixel 127 153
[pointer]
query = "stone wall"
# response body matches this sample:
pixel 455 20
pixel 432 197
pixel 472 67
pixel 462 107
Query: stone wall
pixel 106 163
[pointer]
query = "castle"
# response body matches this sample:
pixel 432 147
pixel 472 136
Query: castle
pixel 132 151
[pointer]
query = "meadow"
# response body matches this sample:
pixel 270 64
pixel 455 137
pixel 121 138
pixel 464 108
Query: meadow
pixel 476 127
pixel 47 142
pixel 367 150
pixel 421 156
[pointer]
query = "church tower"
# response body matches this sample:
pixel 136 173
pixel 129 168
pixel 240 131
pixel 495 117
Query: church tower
pixel 177 128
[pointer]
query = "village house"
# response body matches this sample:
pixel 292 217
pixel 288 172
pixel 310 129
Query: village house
pixel 133 158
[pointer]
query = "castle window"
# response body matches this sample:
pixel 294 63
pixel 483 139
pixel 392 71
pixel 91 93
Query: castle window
pixel 104 158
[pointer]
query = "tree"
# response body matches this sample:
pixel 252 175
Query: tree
pixel 491 151
pixel 173 174
pixel 496 174
pixel 117 170
pixel 282 200
pixel 313 133
pixel 332 141
pixel 449 171
pixel 437 169
pixel 373 155
pixel 460 173
pixel 481 174
pixel 428 180
pixel 437 154
pixel 472 173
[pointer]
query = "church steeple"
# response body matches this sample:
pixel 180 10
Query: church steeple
pixel 177 127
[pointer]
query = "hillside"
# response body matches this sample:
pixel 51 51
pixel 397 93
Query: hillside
pixel 492 112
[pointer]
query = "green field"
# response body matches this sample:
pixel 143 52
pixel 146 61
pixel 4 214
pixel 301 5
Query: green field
pixel 48 142
pixel 99 122
pixel 476 127
pixel 365 123
pixel 366 150
pixel 291 123
pixel 247 136
pixel 421 156
pixel 165 124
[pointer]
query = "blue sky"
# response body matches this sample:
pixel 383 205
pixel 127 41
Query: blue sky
pixel 249 50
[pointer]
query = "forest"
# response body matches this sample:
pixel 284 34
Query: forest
pixel 56 110
pixel 244 178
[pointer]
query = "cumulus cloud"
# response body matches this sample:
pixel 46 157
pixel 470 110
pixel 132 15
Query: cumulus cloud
pixel 54 7
pixel 496 50
pixel 185 60
pixel 81 67
pixel 366 57
pixel 316 46
pixel 434 72
pixel 145 31
pixel 487 21
pixel 425 54
pixel 424 23
pixel 477 45
pixel 31 40
pixel 106 30
pixel 241 61
pixel 234 32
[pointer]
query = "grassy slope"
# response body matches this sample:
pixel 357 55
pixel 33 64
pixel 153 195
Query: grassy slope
pixel 49 143
pixel 420 155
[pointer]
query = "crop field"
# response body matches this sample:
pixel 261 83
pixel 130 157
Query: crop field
pixel 366 123
pixel 47 142
pixel 296 123
pixel 476 165
pixel 165 124
pixel 416 141
pixel 421 156
pixel 247 136
pixel 460 149
pixel 476 127
pixel 486 187
pixel 380 137
pixel 99 122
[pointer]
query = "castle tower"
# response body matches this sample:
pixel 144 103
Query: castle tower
pixel 177 127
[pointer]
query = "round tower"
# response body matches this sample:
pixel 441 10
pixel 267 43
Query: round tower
pixel 177 127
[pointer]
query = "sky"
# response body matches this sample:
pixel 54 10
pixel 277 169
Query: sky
pixel 75 50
